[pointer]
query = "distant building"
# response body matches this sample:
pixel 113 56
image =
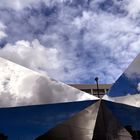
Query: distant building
pixel 92 88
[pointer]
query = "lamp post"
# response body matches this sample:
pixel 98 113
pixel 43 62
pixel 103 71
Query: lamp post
pixel 96 79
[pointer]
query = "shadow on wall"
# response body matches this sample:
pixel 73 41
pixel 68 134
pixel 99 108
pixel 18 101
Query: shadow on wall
pixel 3 137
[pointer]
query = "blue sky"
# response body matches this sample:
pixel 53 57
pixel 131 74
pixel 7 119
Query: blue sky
pixel 71 40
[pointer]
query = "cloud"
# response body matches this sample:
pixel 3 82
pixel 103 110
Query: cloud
pixel 133 8
pixel 132 72
pixel 138 88
pixel 19 4
pixel 73 41
pixel 31 54
pixel 16 4
pixel 2 31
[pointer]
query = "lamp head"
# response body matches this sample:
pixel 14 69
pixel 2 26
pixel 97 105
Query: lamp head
pixel 96 79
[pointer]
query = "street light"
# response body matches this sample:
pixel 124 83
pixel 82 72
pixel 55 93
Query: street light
pixel 96 79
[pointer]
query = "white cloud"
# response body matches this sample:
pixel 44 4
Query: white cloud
pixel 138 88
pixel 42 59
pixel 116 34
pixel 2 31
pixel 73 44
pixel 133 7
pixel 20 4
pixel 2 35
pixel 31 54
pixel 133 71
pixel 16 4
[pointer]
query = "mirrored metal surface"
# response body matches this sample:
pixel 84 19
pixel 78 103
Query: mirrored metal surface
pixel 26 123
pixel 126 89
pixel 129 82
pixel 128 116
pixel 21 86
pixel 117 117
pixel 108 127
pixel 78 127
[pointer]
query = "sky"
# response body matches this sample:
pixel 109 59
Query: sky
pixel 72 41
